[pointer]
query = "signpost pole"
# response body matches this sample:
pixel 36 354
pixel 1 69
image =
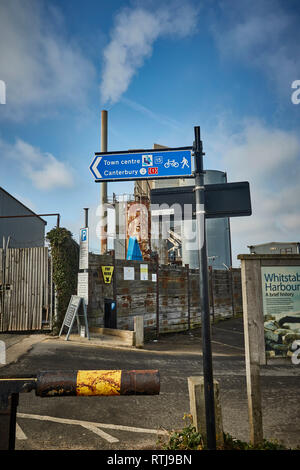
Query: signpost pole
pixel 103 186
pixel 204 294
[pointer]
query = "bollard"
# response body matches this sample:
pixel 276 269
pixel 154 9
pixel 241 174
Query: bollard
pixel 197 408
pixel 58 383
pixel 139 331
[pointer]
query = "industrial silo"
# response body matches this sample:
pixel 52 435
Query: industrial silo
pixel 217 232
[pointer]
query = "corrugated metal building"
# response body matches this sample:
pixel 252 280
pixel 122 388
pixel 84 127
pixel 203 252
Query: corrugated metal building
pixel 24 232
pixel 280 248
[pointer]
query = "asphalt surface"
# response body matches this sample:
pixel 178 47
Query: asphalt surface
pixel 138 422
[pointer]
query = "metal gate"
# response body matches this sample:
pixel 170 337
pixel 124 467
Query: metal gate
pixel 25 289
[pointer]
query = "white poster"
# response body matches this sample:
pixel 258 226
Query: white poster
pixel 154 277
pixel 144 272
pixel 83 286
pixel 128 274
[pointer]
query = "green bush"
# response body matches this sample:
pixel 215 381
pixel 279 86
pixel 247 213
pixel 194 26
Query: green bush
pixel 65 262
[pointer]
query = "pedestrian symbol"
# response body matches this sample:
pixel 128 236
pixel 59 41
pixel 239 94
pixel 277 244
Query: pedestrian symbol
pixel 107 272
pixel 185 163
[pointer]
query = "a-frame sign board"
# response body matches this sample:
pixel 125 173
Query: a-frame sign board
pixel 72 313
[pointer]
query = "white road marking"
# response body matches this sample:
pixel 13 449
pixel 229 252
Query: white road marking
pixel 20 434
pixel 100 433
pixel 93 426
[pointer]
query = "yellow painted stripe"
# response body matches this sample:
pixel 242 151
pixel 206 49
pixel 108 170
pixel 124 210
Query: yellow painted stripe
pixel 32 379
pixel 98 382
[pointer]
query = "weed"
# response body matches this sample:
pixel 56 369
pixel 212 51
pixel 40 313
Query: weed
pixel 190 439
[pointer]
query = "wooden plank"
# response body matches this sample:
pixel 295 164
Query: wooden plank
pixel 254 349
pixel 42 293
pixel 1 295
pixel 27 289
pixel 35 283
pixel 44 287
pixel 22 287
pixel 16 307
pixel 46 284
pixel 38 268
pixel 9 262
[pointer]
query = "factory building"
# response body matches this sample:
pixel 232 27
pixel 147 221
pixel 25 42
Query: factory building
pixel 19 232
pixel 182 243
pixel 160 233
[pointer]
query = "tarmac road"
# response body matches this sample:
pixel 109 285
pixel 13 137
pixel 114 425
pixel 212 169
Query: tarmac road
pixel 134 422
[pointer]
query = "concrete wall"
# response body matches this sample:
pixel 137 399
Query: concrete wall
pixel 177 296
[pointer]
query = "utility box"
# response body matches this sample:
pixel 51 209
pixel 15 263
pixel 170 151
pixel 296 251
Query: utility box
pixel 110 313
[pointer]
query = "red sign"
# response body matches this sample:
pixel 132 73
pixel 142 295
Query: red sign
pixel 153 170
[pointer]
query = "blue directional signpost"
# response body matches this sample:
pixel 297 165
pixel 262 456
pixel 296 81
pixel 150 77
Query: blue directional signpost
pixel 176 163
pixel 152 164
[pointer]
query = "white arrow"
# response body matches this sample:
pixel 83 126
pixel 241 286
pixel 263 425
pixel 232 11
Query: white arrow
pixel 94 168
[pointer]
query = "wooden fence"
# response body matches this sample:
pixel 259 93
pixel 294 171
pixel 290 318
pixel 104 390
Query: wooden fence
pixel 25 289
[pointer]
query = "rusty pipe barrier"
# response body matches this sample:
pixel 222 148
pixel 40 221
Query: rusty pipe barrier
pixel 59 383
pixel 97 383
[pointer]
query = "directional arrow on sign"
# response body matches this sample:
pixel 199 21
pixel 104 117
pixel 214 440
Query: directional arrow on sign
pixel 94 168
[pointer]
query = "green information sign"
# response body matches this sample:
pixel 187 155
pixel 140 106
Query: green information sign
pixel 281 308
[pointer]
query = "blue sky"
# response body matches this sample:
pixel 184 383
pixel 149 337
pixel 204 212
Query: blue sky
pixel 159 68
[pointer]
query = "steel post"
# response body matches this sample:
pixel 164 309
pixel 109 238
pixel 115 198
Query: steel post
pixel 204 293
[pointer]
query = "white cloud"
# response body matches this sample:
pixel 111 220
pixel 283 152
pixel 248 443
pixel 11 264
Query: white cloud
pixel 39 64
pixel 132 40
pixel 42 169
pixel 260 34
pixel 269 159
pixel 261 150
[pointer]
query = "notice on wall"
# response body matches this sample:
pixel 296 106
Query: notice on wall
pixel 281 309
pixel 107 272
pixel 84 248
pixel 128 274
pixel 83 286
pixel 154 277
pixel 144 272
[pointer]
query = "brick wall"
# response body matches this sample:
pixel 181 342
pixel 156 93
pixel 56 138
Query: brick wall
pixel 178 297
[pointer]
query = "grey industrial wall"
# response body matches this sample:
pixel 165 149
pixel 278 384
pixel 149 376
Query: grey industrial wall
pixel 24 232
pixel 178 297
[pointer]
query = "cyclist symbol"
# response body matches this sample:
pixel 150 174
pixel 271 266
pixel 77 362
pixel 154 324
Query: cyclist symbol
pixel 171 163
